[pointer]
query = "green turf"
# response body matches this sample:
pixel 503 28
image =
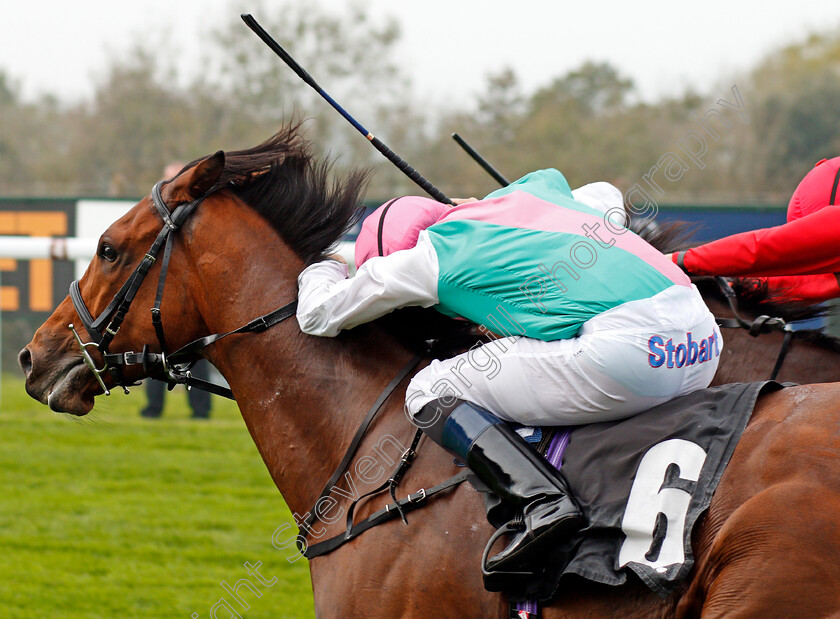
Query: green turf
pixel 113 515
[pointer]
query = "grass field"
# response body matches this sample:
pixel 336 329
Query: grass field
pixel 113 515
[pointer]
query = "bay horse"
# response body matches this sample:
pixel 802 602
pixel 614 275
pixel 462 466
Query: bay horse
pixel 768 545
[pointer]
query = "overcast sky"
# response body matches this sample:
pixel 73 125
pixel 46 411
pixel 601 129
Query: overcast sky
pixel 448 46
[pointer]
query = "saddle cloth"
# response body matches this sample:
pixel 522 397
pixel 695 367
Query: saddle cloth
pixel 642 483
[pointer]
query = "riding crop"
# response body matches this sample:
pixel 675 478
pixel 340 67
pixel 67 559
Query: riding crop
pixel 413 174
pixel 481 160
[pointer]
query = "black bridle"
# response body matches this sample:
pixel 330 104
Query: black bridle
pixel 762 324
pixel 173 367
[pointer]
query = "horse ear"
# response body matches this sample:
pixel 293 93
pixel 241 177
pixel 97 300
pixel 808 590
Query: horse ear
pixel 205 174
pixel 196 181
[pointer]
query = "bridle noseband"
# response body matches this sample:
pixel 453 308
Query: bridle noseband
pixel 105 327
pixel 101 333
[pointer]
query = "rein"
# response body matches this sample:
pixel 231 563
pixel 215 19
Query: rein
pixel 399 507
pixel 762 324
pixel 101 334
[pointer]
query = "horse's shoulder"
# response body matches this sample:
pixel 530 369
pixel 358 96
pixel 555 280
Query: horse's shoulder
pixel 792 431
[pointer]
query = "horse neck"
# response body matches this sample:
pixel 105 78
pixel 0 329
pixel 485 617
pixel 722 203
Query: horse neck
pixel 301 396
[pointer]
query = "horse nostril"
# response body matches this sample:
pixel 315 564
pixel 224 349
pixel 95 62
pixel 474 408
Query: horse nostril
pixel 25 361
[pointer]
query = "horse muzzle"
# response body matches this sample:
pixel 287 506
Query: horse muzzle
pixel 64 383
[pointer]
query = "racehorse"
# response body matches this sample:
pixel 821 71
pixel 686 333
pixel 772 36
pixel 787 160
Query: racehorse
pixel 244 226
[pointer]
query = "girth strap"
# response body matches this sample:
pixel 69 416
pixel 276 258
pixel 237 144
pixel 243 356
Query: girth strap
pixel 782 353
pixel 389 512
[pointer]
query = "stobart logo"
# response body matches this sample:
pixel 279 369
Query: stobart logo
pixel 685 353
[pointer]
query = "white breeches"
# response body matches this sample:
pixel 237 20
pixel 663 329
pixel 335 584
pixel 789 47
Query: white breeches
pixel 622 362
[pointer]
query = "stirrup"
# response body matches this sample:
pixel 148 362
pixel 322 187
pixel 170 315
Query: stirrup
pixel 496 580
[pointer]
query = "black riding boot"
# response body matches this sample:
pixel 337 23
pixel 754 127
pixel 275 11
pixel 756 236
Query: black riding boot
pixel 515 472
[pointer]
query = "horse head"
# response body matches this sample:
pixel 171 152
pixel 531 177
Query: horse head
pixel 54 362
pixel 256 218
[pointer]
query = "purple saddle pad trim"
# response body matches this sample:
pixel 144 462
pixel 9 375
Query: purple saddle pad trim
pixel 554 454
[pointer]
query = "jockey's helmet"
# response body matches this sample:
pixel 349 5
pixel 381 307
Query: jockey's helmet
pixel 816 190
pixel 396 225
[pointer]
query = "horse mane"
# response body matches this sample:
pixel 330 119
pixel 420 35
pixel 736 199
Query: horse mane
pixel 754 298
pixel 753 295
pixel 297 194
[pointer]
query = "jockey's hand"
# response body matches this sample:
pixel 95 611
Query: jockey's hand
pixel 460 201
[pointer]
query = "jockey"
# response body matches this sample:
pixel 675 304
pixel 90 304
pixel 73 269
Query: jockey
pixel 800 259
pixel 594 325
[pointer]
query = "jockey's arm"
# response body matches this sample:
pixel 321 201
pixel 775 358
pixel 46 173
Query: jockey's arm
pixel 805 246
pixel 329 300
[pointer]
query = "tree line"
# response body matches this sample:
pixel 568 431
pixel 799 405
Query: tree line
pixel 589 122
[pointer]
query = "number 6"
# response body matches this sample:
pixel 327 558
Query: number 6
pixel 648 499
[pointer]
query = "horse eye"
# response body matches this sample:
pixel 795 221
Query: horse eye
pixel 106 252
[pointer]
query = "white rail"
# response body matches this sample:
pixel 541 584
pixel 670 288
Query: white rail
pixel 71 248
pixel 35 247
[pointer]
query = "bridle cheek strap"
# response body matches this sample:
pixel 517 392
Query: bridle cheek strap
pixel 157 321
pixel 115 313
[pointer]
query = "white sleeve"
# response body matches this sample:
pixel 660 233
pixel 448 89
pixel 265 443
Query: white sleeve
pixel 600 195
pixel 329 300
